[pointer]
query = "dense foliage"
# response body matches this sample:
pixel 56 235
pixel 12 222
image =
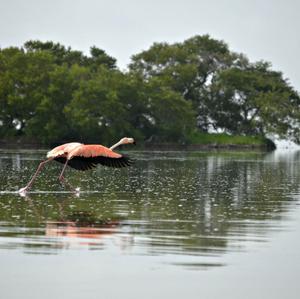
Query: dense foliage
pixel 53 94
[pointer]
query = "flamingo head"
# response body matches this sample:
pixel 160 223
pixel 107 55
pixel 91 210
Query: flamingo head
pixel 127 140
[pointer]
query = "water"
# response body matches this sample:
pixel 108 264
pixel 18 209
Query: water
pixel 211 225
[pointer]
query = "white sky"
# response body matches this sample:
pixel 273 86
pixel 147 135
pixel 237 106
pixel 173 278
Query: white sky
pixel 261 29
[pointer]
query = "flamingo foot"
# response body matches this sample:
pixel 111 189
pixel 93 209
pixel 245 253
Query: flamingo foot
pixel 23 191
pixel 63 181
pixel 77 191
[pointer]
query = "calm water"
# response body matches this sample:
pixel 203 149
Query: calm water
pixel 199 225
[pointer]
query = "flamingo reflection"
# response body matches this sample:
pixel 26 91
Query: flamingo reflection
pixel 80 229
pixel 71 229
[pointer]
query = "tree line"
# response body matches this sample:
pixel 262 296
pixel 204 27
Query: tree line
pixel 52 93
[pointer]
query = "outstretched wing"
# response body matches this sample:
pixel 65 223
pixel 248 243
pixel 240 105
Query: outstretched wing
pixel 88 156
pixel 79 164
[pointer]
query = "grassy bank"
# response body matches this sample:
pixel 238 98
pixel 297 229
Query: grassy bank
pixel 224 140
pixel 214 138
pixel 206 141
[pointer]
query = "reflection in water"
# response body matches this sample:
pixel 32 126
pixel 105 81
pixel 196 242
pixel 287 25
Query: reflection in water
pixel 191 208
pixel 72 229
pixel 83 229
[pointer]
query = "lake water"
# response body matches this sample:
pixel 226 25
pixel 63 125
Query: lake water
pixel 175 225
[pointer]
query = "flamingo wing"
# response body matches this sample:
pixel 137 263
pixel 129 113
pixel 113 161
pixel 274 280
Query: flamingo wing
pixel 79 164
pixel 63 150
pixel 85 157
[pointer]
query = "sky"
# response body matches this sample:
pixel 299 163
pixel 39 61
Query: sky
pixel 261 29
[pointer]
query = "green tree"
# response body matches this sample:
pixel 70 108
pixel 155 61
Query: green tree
pixel 187 68
pixel 98 109
pixel 114 104
pixel 37 82
pixel 254 101
pixel 60 53
pixel 50 124
pixel 23 80
pixel 226 90
pixel 168 116
pixel 55 94
pixel 100 58
pixel 63 55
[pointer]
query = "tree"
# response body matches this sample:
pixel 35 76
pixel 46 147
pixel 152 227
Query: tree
pixel 254 101
pixel 98 108
pixel 169 117
pixel 23 79
pixel 226 90
pixel 187 68
pixel 61 54
pixel 50 124
pixel 114 104
pixel 37 82
pixel 99 57
pixel 186 65
pixel 55 94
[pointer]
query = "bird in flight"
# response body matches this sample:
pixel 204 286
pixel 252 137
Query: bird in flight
pixel 83 157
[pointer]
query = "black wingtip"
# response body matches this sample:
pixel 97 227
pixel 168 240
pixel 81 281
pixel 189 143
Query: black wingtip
pixel 127 161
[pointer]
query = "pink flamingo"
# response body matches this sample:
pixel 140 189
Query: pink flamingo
pixel 83 157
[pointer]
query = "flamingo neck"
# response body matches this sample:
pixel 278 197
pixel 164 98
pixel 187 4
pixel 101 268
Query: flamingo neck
pixel 115 145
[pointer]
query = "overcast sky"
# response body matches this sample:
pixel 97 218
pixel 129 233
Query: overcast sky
pixel 261 29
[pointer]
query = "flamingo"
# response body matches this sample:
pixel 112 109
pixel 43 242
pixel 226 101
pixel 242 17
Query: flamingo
pixel 83 157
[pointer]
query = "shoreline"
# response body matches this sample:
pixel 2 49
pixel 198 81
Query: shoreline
pixel 153 147
pixel 205 147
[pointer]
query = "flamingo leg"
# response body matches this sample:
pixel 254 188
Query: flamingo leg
pixel 41 165
pixel 61 177
pixel 64 181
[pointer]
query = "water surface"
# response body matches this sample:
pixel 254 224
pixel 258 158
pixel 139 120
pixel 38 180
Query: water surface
pixel 210 225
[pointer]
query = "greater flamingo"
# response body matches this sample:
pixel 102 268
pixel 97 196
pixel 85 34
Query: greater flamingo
pixel 83 157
